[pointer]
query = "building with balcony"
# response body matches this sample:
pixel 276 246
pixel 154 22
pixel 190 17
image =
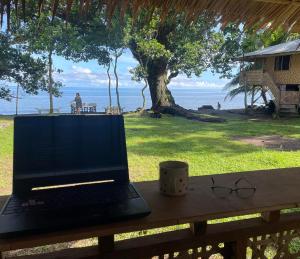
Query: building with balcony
pixel 277 68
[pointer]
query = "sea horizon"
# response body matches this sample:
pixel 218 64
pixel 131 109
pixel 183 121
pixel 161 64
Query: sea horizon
pixel 130 99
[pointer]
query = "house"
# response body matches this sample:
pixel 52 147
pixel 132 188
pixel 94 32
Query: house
pixel 278 68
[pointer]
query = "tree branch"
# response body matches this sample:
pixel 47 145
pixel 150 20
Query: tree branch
pixel 172 75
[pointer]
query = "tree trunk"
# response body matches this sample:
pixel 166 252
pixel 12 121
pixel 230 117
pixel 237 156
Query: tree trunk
pixel 252 97
pixel 245 98
pixel 17 100
pixel 143 95
pixel 264 96
pixel 50 84
pixel 157 70
pixel 117 82
pixel 157 80
pixel 109 86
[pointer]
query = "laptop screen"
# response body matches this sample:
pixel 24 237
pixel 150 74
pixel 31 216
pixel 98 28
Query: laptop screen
pixel 50 146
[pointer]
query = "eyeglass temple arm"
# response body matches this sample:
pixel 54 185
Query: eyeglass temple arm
pixel 213 181
pixel 243 178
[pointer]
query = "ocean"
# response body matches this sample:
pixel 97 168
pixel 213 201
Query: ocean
pixel 130 99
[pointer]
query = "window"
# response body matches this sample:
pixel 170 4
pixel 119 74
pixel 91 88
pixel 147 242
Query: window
pixel 282 63
pixel 258 64
pixel 292 88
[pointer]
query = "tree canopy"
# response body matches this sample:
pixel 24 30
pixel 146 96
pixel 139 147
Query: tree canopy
pixel 168 48
pixel 18 67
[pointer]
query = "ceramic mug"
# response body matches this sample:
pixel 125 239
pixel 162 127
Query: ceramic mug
pixel 173 178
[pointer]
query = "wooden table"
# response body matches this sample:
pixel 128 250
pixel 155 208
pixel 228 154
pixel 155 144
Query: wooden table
pixel 86 108
pixel 276 190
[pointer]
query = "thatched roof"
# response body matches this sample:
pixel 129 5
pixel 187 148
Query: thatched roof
pixel 272 13
pixel 288 48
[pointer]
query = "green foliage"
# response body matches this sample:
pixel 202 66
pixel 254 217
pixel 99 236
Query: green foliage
pixel 19 67
pixel 94 39
pixel 184 49
pixel 223 63
pixel 89 40
pixel 45 38
pixel 237 41
pixel 139 73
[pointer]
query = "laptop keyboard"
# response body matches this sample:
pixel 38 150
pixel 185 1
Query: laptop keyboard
pixel 61 199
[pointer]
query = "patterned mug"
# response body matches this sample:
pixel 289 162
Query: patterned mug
pixel 173 178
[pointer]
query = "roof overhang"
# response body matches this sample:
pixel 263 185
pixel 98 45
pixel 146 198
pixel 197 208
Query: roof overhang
pixel 262 13
pixel 255 57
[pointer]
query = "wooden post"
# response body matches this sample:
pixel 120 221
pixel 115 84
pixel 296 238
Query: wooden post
pixel 198 228
pixel 229 250
pixel 236 249
pixel 241 249
pixel 271 216
pixel 106 244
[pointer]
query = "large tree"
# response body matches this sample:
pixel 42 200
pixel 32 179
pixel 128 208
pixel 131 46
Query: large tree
pixel 171 47
pixel 96 41
pixel 18 67
pixel 46 37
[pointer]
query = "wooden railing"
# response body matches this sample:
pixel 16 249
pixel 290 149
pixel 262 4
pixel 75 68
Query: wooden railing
pixel 269 82
pixel 263 78
pixel 289 98
pixel 271 232
pixel 252 77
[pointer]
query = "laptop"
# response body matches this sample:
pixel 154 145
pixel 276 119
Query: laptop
pixel 69 171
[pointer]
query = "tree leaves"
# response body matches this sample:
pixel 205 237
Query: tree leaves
pixel 19 67
pixel 184 49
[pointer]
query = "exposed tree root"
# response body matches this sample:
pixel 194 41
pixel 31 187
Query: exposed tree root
pixel 177 110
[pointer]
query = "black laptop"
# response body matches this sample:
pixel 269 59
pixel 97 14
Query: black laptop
pixel 69 171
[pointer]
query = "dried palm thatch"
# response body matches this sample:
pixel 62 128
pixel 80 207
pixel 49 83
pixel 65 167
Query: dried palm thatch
pixel 262 13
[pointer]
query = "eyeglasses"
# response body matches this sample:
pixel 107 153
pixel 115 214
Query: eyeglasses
pixel 242 187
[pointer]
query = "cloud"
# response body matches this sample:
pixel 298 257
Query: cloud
pixel 84 76
pixel 195 82
pixel 127 58
pixel 81 76
pixel 82 70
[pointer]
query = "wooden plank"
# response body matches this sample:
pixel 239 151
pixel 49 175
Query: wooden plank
pixel 184 239
pixel 271 216
pixel 106 244
pixel 70 253
pixel 198 228
pixel 229 250
pixel 241 249
pixel 230 232
pixel 276 189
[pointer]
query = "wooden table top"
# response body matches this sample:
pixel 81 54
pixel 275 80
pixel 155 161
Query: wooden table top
pixel 276 189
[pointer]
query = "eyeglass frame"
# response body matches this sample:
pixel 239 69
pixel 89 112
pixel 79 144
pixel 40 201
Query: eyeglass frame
pixel 253 187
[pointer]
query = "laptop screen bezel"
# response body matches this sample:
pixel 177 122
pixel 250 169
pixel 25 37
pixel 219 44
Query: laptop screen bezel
pixel 115 174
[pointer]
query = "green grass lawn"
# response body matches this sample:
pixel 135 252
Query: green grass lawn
pixel 209 148
pixel 6 150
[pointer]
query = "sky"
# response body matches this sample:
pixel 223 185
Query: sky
pixel 91 74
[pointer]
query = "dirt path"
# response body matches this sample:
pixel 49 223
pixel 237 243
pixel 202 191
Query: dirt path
pixel 272 142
